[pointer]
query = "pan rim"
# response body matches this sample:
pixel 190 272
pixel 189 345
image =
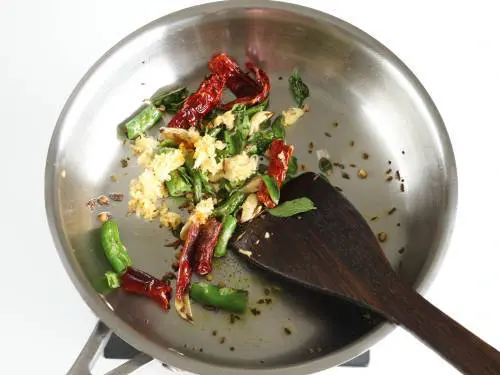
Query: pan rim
pixel 126 332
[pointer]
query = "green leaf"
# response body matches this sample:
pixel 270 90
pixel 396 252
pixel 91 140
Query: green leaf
pixel 325 165
pixel 272 187
pixel 293 207
pixel 278 128
pixel 259 142
pixel 235 142
pixel 177 185
pixel 205 184
pixel 112 279
pixel 257 108
pixel 241 120
pixel 172 100
pixel 299 89
pixel 292 166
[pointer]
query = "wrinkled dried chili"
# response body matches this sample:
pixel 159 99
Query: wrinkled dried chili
pixel 199 104
pixel 279 154
pixel 139 282
pixel 182 304
pixel 205 245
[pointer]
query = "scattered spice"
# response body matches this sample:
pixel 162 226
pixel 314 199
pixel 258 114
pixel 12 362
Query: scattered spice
pixel 124 163
pixel 401 251
pixel 201 350
pixel 336 124
pixel 328 135
pixel 389 162
pixel 391 211
pixel 365 156
pixel 117 197
pixel 268 301
pixel 222 340
pixel 231 348
pixel 91 204
pixel 209 277
pixel 403 152
pixel 311 145
pixel 353 165
pixel 303 167
pixel 340 165
pixel 174 244
pixel 175 265
pixel 351 143
pixel 398 175
pixel 114 178
pixel 398 224
pixel 103 200
pixel 267 291
pixel 233 318
pixel 388 178
pixel 287 331
pixel 402 187
pixel 104 216
pixel 255 311
pixel 214 333
pixel 375 218
pixel 261 301
pixel 346 176
pixel 339 188
pixel 309 151
pixel 388 171
pixel 382 236
pixel 280 78
pixel 362 174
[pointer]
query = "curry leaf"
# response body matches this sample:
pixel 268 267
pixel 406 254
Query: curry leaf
pixel 293 207
pixel 299 89
pixel 172 100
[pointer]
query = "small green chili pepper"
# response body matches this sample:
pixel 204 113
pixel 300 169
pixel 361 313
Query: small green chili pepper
pixel 272 187
pixel 177 185
pixel 214 131
pixel 228 228
pixel 113 248
pixel 112 279
pixel 230 205
pixel 143 121
pixel 197 185
pixel 229 299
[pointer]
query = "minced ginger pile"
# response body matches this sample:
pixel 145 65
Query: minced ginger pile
pixel 147 194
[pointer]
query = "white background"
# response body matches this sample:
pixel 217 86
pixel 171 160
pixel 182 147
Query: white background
pixel 45 48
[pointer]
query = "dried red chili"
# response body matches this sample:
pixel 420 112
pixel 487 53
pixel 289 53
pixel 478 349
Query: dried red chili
pixel 139 282
pixel 199 104
pixel 279 154
pixel 248 91
pixel 182 304
pixel 205 245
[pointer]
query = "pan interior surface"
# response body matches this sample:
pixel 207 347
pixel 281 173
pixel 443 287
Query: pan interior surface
pixel 366 109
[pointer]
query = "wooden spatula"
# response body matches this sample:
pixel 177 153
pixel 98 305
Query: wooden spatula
pixel 333 250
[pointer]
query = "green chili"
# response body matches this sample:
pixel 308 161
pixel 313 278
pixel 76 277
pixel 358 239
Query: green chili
pixel 112 279
pixel 177 185
pixel 214 131
pixel 172 100
pixel 230 205
pixel 272 187
pixel 197 185
pixel 143 121
pixel 235 300
pixel 228 228
pixel 113 248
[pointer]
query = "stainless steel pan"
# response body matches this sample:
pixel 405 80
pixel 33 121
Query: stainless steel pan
pixel 360 92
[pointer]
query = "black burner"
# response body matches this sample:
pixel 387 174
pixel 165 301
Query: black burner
pixel 119 349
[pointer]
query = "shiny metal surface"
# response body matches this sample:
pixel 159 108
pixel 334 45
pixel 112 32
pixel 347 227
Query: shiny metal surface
pixel 354 81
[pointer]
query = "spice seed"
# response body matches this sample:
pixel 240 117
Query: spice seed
pixel 398 224
pixel 352 165
pixel 328 135
pixel 124 163
pixel 214 333
pixel 311 145
pixel 374 218
pixel 391 211
pixel 336 124
pixel 346 176
pixel 287 331
pixel 382 236
pixel 365 156
pixel 388 171
pixel 402 188
pixel 389 178
pixel 351 143
pixel 398 176
pixel 303 167
pixel 231 348
pixel 401 251
pixel 222 340
pixel 362 174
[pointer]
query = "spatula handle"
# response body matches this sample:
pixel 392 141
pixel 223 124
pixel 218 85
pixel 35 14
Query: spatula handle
pixel 467 352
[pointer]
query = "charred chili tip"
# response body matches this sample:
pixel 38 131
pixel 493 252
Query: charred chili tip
pixel 382 236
